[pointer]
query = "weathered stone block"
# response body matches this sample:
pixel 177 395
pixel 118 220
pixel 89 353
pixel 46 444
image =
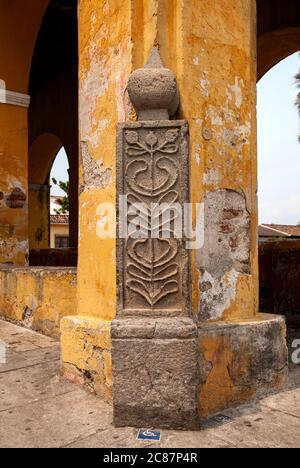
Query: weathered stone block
pixel 240 361
pixel 155 370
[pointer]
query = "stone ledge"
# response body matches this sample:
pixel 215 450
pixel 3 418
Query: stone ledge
pixel 178 328
pixel 37 269
pixel 260 318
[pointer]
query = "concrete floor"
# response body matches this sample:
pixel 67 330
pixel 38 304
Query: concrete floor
pixel 39 409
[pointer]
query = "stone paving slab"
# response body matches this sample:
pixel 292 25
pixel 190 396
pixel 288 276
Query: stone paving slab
pixel 39 409
pixel 22 339
pixel 264 427
pixel 30 384
pixel 53 422
pixel 126 438
pixel 17 360
pixel 290 404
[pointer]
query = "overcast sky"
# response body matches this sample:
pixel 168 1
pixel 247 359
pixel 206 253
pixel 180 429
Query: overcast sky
pixel 278 146
pixel 59 172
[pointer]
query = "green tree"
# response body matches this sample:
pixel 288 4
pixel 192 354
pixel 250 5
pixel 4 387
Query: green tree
pixel 64 201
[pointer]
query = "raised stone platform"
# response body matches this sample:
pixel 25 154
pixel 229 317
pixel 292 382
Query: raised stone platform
pixel 168 373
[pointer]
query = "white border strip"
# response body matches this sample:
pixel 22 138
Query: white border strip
pixel 13 98
pixel 17 99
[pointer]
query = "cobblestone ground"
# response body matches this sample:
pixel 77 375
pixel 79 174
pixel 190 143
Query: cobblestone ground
pixel 39 409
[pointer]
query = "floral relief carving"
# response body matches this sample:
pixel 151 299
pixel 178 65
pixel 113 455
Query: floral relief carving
pixel 152 270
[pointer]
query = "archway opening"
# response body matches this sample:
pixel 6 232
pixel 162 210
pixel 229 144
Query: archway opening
pixel 42 154
pixel 278 190
pixel 53 125
pixel 59 202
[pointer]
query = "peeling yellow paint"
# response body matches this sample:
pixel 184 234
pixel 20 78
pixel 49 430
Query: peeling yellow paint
pixel 38 297
pixel 86 348
pixel 219 391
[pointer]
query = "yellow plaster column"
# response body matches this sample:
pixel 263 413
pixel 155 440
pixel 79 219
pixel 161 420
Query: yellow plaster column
pixel 214 58
pixel 105 62
pixel 211 47
pixel 216 71
pixel 115 37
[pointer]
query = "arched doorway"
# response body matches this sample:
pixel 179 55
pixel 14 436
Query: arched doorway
pixel 41 157
pixel 279 245
pixel 53 112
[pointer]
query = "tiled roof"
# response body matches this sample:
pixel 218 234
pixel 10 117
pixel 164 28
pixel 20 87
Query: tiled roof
pixel 59 219
pixel 278 230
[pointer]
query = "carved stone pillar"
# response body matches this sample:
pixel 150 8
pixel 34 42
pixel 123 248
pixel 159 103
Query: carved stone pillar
pixel 154 335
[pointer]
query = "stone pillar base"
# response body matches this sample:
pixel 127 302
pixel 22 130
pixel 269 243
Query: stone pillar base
pixel 155 368
pixel 240 361
pixel 169 374
pixel 86 353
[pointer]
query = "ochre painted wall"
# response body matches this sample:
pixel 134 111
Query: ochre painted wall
pixel 19 26
pixel 38 297
pixel 13 174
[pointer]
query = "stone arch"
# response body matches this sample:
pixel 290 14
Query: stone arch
pixel 276 46
pixel 53 87
pixel 20 23
pixel 278 37
pixel 278 32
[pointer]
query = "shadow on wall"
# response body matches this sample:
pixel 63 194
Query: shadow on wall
pixel 279 274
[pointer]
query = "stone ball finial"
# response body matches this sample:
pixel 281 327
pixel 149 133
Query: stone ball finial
pixel 153 90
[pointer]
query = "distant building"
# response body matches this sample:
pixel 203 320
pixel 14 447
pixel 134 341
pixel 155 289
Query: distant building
pixel 279 231
pixel 59 226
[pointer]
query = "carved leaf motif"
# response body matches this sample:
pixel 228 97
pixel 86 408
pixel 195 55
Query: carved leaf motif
pixel 154 276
